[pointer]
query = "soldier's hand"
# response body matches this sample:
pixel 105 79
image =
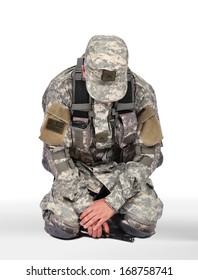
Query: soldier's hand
pixel 96 214
pixel 98 233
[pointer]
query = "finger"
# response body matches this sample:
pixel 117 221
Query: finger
pixel 90 222
pixel 99 232
pixel 99 224
pixel 95 233
pixel 106 228
pixel 90 230
pixel 87 218
pixel 86 212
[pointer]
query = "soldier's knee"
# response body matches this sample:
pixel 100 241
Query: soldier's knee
pixel 60 227
pixel 55 231
pixel 135 228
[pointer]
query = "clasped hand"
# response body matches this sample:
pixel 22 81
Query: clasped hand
pixel 95 218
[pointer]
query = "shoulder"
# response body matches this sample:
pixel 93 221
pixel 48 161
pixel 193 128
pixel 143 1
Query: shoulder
pixel 65 77
pixel 141 83
pixel 60 88
pixel 144 93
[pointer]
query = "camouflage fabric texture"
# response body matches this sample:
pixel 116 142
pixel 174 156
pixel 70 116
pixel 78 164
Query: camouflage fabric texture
pixel 106 62
pixel 71 163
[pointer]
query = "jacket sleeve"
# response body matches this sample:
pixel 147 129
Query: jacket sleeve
pixel 69 183
pixel 147 146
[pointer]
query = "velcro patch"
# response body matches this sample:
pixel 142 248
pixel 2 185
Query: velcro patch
pixel 55 124
pixel 108 75
pixel 149 127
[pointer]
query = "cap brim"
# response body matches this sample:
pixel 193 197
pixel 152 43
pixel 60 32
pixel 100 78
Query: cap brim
pixel 104 91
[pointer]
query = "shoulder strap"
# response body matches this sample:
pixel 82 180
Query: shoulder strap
pixel 81 105
pixel 127 103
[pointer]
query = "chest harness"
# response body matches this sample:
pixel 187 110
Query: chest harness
pixel 122 120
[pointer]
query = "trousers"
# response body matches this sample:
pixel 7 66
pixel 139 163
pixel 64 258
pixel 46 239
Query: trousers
pixel 137 217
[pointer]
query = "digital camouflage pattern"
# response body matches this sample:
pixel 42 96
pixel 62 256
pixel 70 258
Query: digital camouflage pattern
pixel 84 165
pixel 103 131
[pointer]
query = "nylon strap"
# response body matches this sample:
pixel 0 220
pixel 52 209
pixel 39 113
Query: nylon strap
pixel 127 103
pixel 144 150
pixel 81 106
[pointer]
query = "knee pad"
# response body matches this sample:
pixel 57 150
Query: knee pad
pixel 136 229
pixel 59 227
pixel 59 233
pixel 135 232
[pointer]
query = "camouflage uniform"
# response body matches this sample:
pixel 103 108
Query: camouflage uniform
pixel 84 160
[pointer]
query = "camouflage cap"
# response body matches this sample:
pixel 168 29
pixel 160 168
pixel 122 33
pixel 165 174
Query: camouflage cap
pixel 106 61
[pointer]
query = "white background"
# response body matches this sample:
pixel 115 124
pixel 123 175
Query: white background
pixel 38 40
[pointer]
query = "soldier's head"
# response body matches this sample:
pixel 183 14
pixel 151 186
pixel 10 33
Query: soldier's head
pixel 105 65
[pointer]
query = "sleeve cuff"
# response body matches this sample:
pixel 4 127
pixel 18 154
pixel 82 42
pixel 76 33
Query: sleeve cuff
pixel 82 203
pixel 115 199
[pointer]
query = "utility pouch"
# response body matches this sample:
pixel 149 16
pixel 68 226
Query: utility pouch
pixel 125 128
pixel 81 134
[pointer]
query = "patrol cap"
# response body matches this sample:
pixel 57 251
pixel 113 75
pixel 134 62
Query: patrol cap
pixel 106 61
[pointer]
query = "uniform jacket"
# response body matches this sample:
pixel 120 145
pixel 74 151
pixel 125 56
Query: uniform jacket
pixel 129 152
